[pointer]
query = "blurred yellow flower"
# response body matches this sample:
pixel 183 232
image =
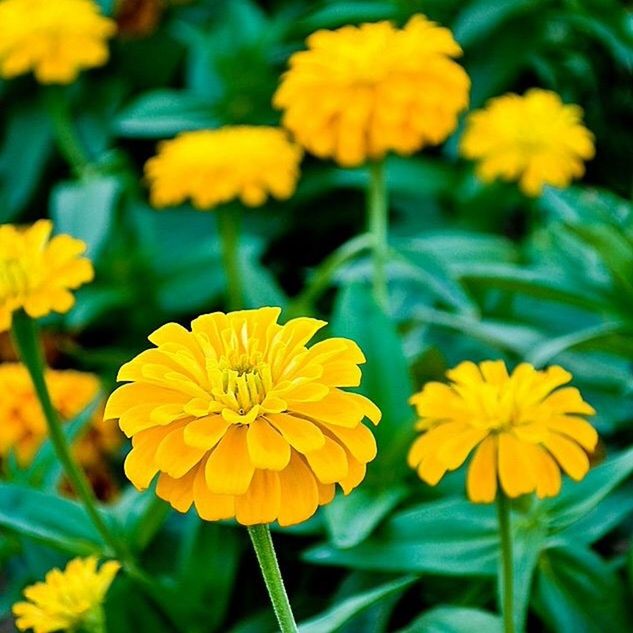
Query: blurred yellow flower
pixel 55 39
pixel 37 272
pixel 534 139
pixel 23 428
pixel 67 599
pixel 525 427
pixel 360 92
pixel 211 167
pixel 241 418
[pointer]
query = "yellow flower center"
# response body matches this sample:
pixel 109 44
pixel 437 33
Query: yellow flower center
pixel 13 278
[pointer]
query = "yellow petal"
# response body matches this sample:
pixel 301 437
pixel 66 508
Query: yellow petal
pixel 455 450
pixel 260 504
pixel 577 429
pixel 482 473
pixel 329 463
pixel 431 470
pixel 515 473
pixel 299 492
pixel 206 432
pixel 359 441
pixel 174 456
pixel 210 506
pixel 569 455
pixel 229 469
pixel 266 447
pixel 178 492
pixel 301 434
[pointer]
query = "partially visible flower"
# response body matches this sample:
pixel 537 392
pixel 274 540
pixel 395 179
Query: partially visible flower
pixel 56 39
pixel 68 599
pixel 534 139
pixel 360 92
pixel 525 428
pixel 212 167
pixel 138 18
pixel 239 417
pixel 38 272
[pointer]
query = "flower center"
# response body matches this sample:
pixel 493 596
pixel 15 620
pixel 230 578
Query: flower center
pixel 13 278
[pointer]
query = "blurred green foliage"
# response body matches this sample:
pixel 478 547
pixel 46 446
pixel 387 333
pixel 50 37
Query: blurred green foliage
pixel 476 272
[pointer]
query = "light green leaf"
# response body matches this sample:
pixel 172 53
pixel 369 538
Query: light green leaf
pixel 455 620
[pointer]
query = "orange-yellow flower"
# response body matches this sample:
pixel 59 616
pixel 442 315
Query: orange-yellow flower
pixel 239 417
pixel 360 92
pixel 525 428
pixel 211 167
pixel 534 139
pixel 56 39
pixel 38 272
pixel 67 600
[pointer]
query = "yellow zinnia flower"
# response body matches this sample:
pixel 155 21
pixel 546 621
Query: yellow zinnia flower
pixel 37 271
pixel 534 139
pixel 241 418
pixel 360 92
pixel 53 38
pixel 67 599
pixel 211 167
pixel 525 427
pixel 24 428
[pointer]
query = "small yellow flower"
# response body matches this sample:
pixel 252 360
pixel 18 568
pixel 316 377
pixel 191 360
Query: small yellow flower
pixel 66 599
pixel 360 92
pixel 37 272
pixel 23 427
pixel 55 39
pixel 524 425
pixel 244 420
pixel 212 167
pixel 534 139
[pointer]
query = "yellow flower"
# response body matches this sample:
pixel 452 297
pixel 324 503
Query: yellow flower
pixel 534 139
pixel 54 38
pixel 216 166
pixel 66 599
pixel 360 92
pixel 525 427
pixel 37 271
pixel 23 427
pixel 241 418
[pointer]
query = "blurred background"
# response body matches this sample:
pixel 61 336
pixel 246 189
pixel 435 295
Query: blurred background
pixel 479 271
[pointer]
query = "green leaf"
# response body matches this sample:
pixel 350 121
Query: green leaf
pixel 164 113
pixel 259 286
pixel 48 519
pixel 85 209
pixel 578 499
pixel 351 519
pixel 455 620
pixel 577 591
pixel 345 610
pixel 358 317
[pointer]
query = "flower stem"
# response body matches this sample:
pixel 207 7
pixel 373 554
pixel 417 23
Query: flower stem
pixel 229 230
pixel 263 544
pixel 66 137
pixel 26 337
pixel 507 574
pixel 378 227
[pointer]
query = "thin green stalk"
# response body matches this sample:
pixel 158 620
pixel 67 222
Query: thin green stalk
pixel 507 574
pixel 229 230
pixel 263 544
pixel 26 337
pixel 66 136
pixel 378 227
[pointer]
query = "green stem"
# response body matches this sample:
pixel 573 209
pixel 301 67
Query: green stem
pixel 378 227
pixel 26 337
pixel 66 136
pixel 507 574
pixel 263 544
pixel 229 230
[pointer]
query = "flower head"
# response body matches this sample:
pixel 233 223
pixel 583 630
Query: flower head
pixel 55 39
pixel 360 92
pixel 66 599
pixel 534 139
pixel 23 428
pixel 525 426
pixel 37 272
pixel 244 420
pixel 212 167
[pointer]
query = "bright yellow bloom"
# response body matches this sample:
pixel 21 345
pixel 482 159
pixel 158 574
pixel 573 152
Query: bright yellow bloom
pixel 241 418
pixel 23 428
pixel 524 425
pixel 66 599
pixel 360 92
pixel 54 38
pixel 211 167
pixel 37 272
pixel 534 139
